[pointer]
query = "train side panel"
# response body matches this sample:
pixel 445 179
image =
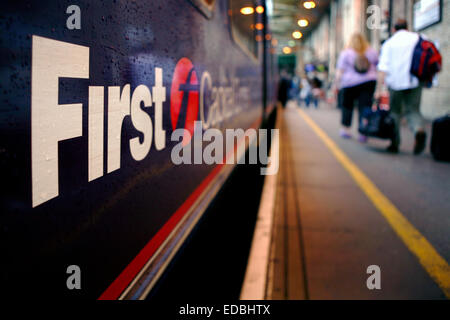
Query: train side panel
pixel 108 204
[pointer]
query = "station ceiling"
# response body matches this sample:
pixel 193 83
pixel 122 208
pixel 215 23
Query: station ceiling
pixel 285 15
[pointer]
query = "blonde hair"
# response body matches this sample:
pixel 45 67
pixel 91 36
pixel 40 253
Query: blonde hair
pixel 359 43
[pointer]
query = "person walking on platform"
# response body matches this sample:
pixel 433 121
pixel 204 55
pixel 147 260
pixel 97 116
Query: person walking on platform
pixel 405 90
pixel 283 88
pixel 356 77
pixel 305 92
pixel 316 84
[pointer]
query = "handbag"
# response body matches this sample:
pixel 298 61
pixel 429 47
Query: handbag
pixel 377 123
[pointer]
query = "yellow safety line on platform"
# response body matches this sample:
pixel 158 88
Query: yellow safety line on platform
pixel 429 258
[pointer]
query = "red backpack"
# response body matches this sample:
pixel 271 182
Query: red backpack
pixel 426 62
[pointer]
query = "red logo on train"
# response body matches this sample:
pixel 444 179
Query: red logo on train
pixel 184 97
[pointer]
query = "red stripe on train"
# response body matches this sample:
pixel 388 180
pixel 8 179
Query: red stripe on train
pixel 129 273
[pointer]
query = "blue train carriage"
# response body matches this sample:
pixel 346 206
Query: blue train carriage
pixel 88 112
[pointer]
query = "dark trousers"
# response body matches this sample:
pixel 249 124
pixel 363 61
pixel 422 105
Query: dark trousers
pixel 310 98
pixel 363 94
pixel 406 103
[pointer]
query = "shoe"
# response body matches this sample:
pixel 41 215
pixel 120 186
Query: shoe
pixel 421 138
pixel 344 134
pixel 392 149
pixel 363 139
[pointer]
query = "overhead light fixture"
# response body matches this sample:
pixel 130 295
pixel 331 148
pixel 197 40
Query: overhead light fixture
pixel 259 26
pixel 303 23
pixel 309 4
pixel 260 9
pixel 247 10
pixel 297 35
pixel 287 50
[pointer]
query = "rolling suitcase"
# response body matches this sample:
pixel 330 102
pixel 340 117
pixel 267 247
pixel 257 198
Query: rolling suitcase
pixel 440 139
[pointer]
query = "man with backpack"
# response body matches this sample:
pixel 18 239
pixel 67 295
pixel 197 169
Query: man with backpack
pixel 406 64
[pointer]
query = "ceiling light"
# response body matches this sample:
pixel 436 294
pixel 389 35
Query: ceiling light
pixel 297 35
pixel 303 23
pixel 247 10
pixel 309 4
pixel 287 50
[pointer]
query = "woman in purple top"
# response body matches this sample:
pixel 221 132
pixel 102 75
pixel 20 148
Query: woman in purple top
pixel 356 76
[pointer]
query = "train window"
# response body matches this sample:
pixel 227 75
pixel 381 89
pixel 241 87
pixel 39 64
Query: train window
pixel 244 25
pixel 205 6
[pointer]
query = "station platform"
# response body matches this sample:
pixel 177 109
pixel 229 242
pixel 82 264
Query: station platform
pixel 337 207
